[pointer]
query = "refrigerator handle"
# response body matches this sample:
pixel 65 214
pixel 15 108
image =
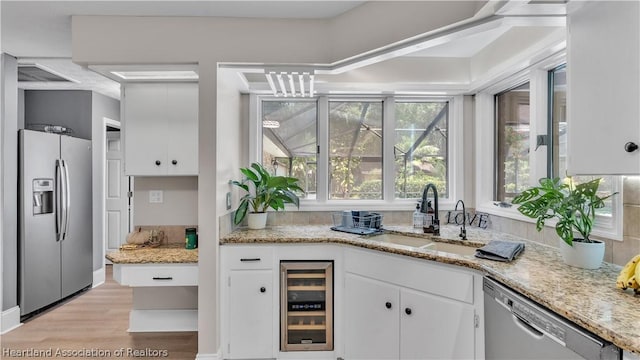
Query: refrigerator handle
pixel 67 197
pixel 59 200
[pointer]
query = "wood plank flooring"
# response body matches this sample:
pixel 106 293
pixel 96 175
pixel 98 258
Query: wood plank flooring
pixel 95 322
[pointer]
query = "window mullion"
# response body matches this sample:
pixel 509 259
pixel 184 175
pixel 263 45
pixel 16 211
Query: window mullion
pixel 255 129
pixel 322 171
pixel 538 111
pixel 388 141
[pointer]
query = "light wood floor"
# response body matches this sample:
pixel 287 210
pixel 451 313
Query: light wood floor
pixel 98 319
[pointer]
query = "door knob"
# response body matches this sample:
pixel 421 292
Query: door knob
pixel 158 163
pixel 407 311
pixel 263 289
pixel 387 305
pixel 630 147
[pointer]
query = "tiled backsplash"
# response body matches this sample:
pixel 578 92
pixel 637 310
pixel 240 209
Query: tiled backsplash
pixel 618 252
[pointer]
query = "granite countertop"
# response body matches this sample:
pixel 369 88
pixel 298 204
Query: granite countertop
pixel 170 253
pixel 589 298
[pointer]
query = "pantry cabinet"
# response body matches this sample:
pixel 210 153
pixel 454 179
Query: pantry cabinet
pixel 603 87
pixel 160 129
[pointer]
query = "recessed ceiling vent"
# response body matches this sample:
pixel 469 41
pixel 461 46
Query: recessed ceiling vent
pixel 38 73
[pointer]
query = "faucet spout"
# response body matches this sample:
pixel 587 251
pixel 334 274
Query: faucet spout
pixel 463 228
pixel 434 227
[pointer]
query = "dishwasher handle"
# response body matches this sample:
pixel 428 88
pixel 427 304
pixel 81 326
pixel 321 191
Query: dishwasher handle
pixel 526 327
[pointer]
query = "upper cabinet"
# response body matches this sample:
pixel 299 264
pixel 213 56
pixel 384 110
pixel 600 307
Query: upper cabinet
pixel 160 129
pixel 603 87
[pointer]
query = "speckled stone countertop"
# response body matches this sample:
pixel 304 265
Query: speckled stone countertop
pixel 589 298
pixel 171 253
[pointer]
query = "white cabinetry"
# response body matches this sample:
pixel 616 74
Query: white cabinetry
pixel 248 302
pixel 603 78
pixel 405 316
pixel 165 296
pixel 160 128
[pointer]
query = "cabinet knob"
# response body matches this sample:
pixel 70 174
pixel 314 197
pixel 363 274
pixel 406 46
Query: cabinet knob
pixel 158 163
pixel 387 305
pixel 174 162
pixel 263 289
pixel 407 311
pixel 630 147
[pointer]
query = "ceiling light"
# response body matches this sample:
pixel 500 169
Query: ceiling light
pixel 157 75
pixel 287 87
pixel 272 124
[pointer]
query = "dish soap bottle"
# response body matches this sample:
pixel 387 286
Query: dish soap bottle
pixel 418 217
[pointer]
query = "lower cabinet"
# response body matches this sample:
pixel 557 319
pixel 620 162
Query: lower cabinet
pixel 251 313
pixel 386 321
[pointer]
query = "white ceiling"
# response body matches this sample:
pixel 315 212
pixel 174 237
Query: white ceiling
pixel 40 31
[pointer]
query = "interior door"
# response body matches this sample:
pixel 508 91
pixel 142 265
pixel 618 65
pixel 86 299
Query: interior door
pixel 117 224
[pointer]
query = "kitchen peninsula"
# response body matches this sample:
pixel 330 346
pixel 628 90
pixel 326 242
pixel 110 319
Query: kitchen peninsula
pixel 588 298
pixel 165 287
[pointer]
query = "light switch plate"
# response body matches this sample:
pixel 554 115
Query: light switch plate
pixel 155 196
pixel 229 200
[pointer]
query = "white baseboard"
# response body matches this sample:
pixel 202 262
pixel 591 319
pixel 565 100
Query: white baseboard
pixel 10 319
pixel 99 277
pixel 163 320
pixel 217 356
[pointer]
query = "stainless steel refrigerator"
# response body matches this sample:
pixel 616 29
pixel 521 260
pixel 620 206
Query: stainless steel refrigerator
pixel 56 246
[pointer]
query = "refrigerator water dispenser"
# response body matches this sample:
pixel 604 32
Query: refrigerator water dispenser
pixel 42 196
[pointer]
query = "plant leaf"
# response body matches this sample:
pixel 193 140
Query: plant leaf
pixel 241 212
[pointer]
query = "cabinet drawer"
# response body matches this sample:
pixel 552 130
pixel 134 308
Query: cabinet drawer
pixel 156 274
pixel 238 257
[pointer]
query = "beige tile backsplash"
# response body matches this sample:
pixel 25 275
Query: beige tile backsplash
pixel 618 252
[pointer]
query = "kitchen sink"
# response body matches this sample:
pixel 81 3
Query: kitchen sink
pixel 424 243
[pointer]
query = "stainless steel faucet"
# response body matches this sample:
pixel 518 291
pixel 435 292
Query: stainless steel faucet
pixel 463 229
pixel 435 224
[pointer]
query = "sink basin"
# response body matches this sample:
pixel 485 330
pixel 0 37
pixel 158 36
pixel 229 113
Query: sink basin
pixel 424 243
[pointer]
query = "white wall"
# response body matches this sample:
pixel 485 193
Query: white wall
pixel 180 201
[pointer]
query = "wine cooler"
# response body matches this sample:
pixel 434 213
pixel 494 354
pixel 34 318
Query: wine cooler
pixel 306 306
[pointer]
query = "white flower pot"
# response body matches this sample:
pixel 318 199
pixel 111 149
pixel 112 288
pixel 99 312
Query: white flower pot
pixel 583 255
pixel 257 220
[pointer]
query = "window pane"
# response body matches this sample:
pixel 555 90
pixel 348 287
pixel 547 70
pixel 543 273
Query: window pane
pixel 355 150
pixel 421 148
pixel 512 132
pixel 289 141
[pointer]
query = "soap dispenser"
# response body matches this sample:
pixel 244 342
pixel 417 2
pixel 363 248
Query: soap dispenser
pixel 418 217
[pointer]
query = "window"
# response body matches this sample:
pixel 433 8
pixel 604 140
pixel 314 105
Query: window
pixel 354 152
pixel 512 145
pixel 289 144
pixel 420 147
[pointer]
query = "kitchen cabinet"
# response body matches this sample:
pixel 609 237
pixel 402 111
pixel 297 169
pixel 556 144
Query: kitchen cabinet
pixel 386 321
pixel 248 297
pixel 603 87
pixel 160 129
pixel 165 296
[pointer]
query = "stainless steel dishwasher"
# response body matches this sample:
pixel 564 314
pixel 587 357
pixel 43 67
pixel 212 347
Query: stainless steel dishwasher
pixel 518 328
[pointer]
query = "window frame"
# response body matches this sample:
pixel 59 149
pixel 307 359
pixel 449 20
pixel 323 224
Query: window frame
pixel 485 138
pixel 322 203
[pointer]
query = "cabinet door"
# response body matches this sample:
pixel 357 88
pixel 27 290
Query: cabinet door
pixel 371 319
pixel 603 51
pixel 250 314
pixel 182 144
pixel 145 129
pixel 435 328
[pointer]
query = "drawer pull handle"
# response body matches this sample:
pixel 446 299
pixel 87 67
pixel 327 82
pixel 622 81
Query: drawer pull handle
pixel 162 278
pixel 407 311
pixel 388 305
pixel 249 259
pixel 263 289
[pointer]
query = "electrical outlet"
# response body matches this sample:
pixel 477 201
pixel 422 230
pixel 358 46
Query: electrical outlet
pixel 229 200
pixel 155 196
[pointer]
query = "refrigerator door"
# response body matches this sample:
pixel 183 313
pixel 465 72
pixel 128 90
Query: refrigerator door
pixel 77 246
pixel 39 262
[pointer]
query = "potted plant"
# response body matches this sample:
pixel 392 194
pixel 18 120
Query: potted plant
pixel 575 208
pixel 263 191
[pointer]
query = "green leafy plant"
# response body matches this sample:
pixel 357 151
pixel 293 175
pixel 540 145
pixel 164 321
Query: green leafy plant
pixel 264 191
pixel 573 205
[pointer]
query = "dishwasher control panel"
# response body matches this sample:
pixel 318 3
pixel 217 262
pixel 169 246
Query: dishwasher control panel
pixel 539 322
